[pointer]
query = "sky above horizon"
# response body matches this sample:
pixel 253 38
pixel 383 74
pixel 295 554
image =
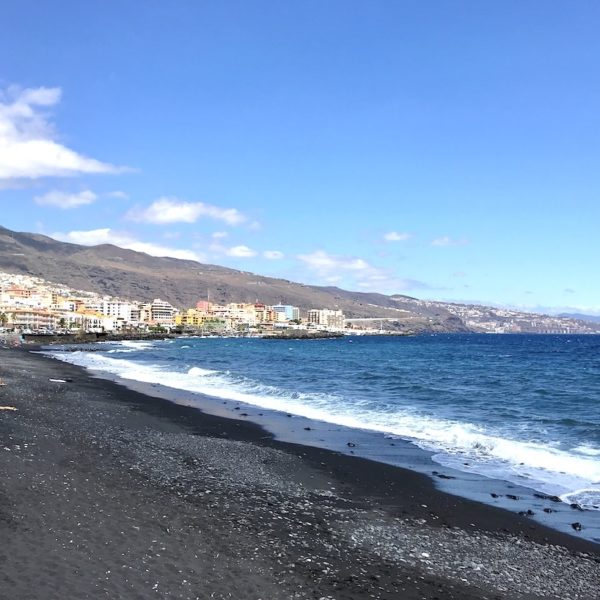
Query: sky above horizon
pixel 444 150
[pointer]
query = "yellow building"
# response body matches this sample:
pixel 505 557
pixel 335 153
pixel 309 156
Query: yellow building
pixel 192 317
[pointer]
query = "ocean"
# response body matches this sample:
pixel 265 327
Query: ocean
pixel 518 408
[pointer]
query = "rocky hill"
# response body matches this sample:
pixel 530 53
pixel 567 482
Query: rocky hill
pixel 114 271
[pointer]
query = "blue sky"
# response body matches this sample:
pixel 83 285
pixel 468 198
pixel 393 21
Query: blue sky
pixel 445 150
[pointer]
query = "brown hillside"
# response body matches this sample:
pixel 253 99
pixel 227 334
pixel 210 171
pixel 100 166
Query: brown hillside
pixel 114 271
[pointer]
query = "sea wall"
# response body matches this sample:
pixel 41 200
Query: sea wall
pixel 74 338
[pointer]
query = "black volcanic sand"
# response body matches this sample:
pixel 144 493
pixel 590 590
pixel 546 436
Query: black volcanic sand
pixel 109 493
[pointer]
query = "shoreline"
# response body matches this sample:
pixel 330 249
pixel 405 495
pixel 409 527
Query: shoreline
pixel 288 520
pixel 375 447
pixel 511 495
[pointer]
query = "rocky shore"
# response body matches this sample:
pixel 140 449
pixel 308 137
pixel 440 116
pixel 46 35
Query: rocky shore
pixel 109 493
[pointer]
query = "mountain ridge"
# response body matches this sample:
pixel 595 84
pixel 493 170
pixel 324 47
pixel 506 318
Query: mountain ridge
pixel 110 270
pixel 113 271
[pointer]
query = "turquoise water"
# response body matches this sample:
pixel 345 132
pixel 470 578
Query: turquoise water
pixel 519 408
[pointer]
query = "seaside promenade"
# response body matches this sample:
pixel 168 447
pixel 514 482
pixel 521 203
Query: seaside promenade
pixel 109 493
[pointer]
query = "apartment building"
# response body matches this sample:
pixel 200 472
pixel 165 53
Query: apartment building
pixel 286 312
pixel 30 319
pixel 326 318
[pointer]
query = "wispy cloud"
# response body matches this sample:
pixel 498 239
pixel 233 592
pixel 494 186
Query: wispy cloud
pixel 121 195
pixel 356 272
pixel 28 146
pixel 65 200
pixel 448 241
pixel 394 236
pixel 241 252
pixel 322 262
pixel 173 210
pixel 94 237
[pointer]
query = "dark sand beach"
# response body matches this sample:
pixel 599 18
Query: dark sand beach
pixel 109 493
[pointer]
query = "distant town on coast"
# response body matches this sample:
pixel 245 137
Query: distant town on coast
pixel 32 305
pixel 51 286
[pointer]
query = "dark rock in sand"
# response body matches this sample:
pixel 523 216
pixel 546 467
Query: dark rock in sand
pixel 546 497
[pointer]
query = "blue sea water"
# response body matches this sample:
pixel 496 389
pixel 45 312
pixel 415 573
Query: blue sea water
pixel 514 407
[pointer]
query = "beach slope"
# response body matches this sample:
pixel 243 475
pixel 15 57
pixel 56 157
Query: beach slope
pixel 109 493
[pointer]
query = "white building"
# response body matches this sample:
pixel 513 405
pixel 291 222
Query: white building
pixel 326 318
pixel 286 312
pixel 158 312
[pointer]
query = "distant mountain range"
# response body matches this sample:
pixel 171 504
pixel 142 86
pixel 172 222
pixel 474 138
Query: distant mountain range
pixel 114 271
pixel 581 317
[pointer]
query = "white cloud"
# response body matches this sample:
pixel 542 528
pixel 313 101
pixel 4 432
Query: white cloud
pixel 64 200
pixel 356 272
pixel 172 210
pixel 448 241
pixel 28 146
pixel 118 194
pixel 95 237
pixel 323 263
pixel 219 235
pixel 241 252
pixel 394 236
pixel 39 96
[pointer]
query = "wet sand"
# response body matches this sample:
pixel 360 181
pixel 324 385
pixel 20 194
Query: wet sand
pixel 109 493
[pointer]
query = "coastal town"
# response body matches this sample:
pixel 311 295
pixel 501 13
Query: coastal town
pixel 492 319
pixel 32 305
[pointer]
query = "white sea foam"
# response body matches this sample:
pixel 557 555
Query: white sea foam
pixel 198 372
pixel 129 346
pixel 532 463
pixel 136 344
pixel 586 498
pixel 587 450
